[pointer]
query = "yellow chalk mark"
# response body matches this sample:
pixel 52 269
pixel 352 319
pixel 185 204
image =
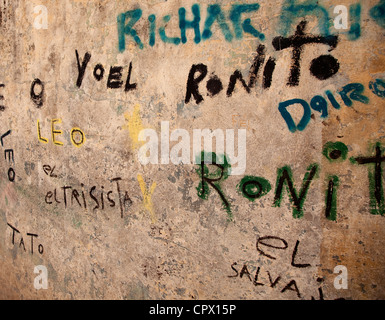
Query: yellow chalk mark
pixel 56 132
pixel 134 126
pixel 147 202
pixel 39 133
pixel 80 133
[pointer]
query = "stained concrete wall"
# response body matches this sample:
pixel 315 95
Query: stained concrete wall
pixel 81 79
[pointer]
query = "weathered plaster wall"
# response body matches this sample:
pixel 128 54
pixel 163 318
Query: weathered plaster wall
pixel 159 234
